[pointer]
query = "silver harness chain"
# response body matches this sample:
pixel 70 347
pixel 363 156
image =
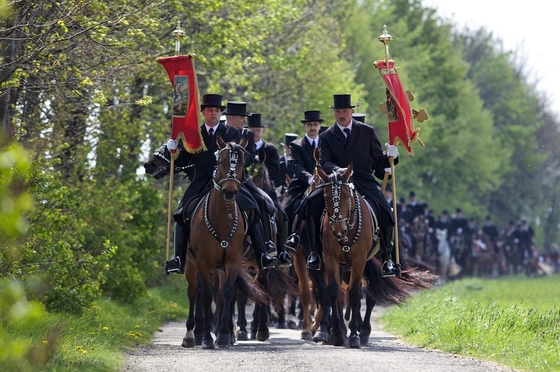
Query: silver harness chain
pixel 337 216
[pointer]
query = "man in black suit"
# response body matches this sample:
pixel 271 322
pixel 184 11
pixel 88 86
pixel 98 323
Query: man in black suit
pixel 350 141
pixel 303 166
pixel 236 116
pixel 285 164
pixel 272 159
pixel 203 164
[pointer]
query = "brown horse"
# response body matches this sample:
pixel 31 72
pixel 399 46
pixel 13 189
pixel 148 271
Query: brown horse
pixel 349 241
pixel 217 234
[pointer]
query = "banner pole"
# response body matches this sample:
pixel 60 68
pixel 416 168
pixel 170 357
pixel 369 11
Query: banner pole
pixel 169 205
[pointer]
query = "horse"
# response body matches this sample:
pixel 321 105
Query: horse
pixel 350 242
pixel 275 282
pixel 216 245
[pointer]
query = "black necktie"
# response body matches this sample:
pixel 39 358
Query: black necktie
pixel 347 131
pixel 313 143
pixel 211 132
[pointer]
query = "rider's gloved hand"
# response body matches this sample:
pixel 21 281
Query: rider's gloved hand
pixel 388 170
pixel 392 150
pixel 171 145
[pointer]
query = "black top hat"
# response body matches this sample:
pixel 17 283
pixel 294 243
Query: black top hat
pixel 322 129
pixel 289 138
pixel 312 115
pixel 342 101
pixel 237 108
pixel 359 117
pixel 412 194
pixel 212 100
pixel 254 121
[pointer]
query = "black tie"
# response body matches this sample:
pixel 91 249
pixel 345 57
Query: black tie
pixel 313 143
pixel 347 131
pixel 211 132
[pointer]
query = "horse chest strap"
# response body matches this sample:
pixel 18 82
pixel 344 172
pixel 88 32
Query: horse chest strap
pixel 224 244
pixel 345 248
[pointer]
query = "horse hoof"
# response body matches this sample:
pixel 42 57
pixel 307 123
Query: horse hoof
pixel 242 336
pixel 337 340
pixel 263 335
pixel 198 339
pixel 364 340
pixel 222 340
pixel 354 342
pixel 321 336
pixel 306 335
pixel 282 325
pixel 292 324
pixel 207 344
pixel 188 342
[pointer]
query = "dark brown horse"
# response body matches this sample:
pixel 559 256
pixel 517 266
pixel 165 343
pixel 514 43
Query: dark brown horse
pixel 216 247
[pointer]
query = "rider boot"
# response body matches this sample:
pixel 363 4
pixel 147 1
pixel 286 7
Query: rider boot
pixel 388 267
pixel 293 240
pixel 177 263
pixel 314 258
pixel 284 258
pixel 267 230
pixel 257 238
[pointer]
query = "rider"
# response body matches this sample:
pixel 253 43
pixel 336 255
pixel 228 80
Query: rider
pixel 286 164
pixel 350 141
pixel 303 167
pixel 236 114
pixel 204 163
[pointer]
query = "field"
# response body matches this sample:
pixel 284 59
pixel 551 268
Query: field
pixel 513 320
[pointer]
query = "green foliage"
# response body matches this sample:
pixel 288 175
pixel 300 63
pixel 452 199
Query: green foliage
pixel 513 321
pixel 94 341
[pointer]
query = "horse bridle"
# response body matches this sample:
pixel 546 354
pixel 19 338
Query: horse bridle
pixel 336 189
pixel 232 171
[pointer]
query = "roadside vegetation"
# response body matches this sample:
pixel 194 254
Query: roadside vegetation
pixel 33 340
pixel 513 321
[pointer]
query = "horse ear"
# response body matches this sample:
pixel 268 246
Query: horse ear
pixel 346 175
pixel 262 155
pixel 316 154
pixel 322 174
pixel 244 140
pixel 220 141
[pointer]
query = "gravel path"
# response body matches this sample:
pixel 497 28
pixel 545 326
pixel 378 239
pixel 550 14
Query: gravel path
pixel 285 351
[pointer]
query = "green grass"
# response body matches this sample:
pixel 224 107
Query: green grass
pixel 95 341
pixel 513 321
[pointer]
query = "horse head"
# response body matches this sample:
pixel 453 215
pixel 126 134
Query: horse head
pixel 158 165
pixel 258 171
pixel 228 174
pixel 339 201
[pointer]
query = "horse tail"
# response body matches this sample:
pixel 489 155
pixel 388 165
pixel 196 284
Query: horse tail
pixel 388 290
pixel 245 284
pixel 280 285
pixel 414 278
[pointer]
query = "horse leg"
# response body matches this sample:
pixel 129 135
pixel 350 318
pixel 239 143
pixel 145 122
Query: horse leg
pixel 333 291
pixel 354 301
pixel 223 338
pixel 305 293
pixel 206 297
pixel 198 316
pixel 242 317
pixel 192 291
pixel 262 318
pixel 281 310
pixel 321 333
pixel 365 328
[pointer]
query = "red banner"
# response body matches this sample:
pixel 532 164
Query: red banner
pixel 185 124
pixel 399 113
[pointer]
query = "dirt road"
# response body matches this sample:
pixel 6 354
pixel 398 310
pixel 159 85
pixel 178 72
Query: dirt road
pixel 285 351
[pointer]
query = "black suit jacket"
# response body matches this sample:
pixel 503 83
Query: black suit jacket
pixel 204 161
pixel 364 150
pixel 271 161
pixel 303 166
pixel 285 168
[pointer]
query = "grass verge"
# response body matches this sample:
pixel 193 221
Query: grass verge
pixel 513 321
pixel 95 341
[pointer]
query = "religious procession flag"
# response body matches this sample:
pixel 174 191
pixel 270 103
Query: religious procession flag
pixel 185 121
pixel 397 108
